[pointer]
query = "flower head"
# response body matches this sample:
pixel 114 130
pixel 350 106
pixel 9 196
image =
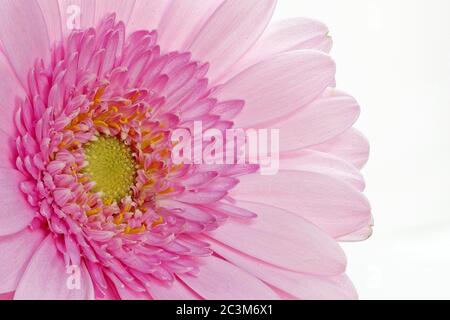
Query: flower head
pixel 91 191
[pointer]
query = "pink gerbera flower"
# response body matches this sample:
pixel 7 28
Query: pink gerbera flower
pixel 87 181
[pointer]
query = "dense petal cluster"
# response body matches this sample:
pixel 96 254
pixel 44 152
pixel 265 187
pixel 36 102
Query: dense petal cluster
pixel 88 178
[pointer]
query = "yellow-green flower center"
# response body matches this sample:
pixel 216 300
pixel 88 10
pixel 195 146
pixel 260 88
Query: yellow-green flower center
pixel 111 166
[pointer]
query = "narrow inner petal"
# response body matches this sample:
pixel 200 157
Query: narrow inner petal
pixel 111 166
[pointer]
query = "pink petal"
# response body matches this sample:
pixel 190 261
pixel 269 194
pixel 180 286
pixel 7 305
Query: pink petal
pixel 11 91
pixel 7 296
pixel 126 293
pixel 228 109
pixel 286 35
pixel 187 211
pixel 220 184
pixel 325 118
pixel 333 205
pixel 237 25
pixel 62 196
pixel 324 163
pixel 283 239
pixel 198 179
pixel 351 146
pixel 51 13
pixel 232 210
pixel 220 280
pixel 122 8
pixel 109 293
pixel 16 251
pixel 8 156
pixel 147 14
pixel 299 285
pixel 201 197
pixel 359 235
pixel 30 41
pixel 15 214
pixel 173 291
pixel 182 21
pixel 46 279
pixel 279 87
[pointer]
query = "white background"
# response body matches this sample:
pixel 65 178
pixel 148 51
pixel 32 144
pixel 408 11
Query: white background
pixel 394 57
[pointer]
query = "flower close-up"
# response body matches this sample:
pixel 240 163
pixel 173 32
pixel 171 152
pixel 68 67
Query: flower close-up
pixel 94 205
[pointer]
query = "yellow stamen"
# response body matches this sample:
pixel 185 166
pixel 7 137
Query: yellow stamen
pixel 111 166
pixel 158 222
pixel 130 230
pixel 100 123
pixel 118 219
pixel 98 95
pixel 92 212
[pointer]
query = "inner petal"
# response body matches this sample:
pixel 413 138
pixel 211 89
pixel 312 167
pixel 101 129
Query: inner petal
pixel 111 166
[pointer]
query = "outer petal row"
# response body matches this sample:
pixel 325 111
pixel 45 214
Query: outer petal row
pixel 47 277
pixel 332 204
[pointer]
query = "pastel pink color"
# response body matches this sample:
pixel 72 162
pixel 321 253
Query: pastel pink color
pixel 195 232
